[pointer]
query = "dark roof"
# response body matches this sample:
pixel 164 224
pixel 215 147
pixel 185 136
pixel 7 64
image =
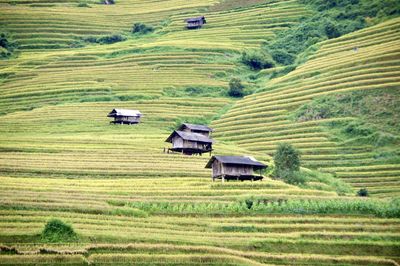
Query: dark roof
pixel 195 19
pixel 241 160
pixel 196 127
pixel 124 112
pixel 189 136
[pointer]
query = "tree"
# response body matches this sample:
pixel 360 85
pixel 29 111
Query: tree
pixel 236 88
pixel 287 163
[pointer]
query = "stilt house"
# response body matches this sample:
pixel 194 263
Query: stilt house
pixel 235 168
pixel 195 23
pixel 191 139
pixel 124 116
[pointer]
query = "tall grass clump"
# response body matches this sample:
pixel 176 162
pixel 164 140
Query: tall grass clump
pixel 58 231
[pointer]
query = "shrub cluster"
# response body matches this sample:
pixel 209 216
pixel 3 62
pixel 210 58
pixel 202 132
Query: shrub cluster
pixel 7 45
pixel 141 28
pixel 236 88
pixel 108 39
pixel 257 59
pixel 57 231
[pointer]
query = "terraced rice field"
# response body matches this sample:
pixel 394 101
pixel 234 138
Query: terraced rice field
pixel 132 204
pixel 262 120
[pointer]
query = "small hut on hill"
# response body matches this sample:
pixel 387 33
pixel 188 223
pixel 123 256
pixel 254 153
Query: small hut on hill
pixel 189 143
pixel 124 116
pixel 235 167
pixel 195 23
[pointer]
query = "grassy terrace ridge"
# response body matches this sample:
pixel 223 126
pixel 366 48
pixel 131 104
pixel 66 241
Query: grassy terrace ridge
pixel 127 202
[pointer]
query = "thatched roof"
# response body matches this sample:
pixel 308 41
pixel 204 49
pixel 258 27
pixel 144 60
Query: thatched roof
pixel 236 160
pixel 124 112
pixel 195 127
pixel 189 136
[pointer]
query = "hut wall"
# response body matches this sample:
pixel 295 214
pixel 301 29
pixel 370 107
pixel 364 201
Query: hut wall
pixel 237 170
pixel 130 119
pixel 216 168
pixel 177 142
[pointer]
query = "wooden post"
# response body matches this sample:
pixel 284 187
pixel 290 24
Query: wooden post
pixel 223 179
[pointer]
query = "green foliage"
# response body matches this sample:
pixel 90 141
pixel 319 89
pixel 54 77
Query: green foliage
pixel 141 28
pixel 7 45
pixel 257 59
pixel 333 19
pixel 293 177
pixel 194 91
pixel 83 4
pixel 287 164
pixel 375 114
pixel 130 212
pixel 378 208
pixel 283 57
pixel 109 39
pixel 363 192
pixel 325 181
pixel 236 88
pixel 57 231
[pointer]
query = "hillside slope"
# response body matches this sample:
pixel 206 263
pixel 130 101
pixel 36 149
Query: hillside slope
pixel 132 204
pixel 361 61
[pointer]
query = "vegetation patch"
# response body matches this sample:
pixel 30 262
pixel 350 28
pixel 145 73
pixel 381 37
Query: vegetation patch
pixel 194 91
pixel 58 231
pixel 332 19
pixel 108 39
pixel 7 45
pixel 259 205
pixel 141 28
pixel 257 59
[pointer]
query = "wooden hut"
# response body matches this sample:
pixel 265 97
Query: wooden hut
pixel 189 143
pixel 124 116
pixel 195 23
pixel 235 168
pixel 200 129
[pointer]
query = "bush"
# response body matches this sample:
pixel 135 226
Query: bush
pixel 363 192
pixel 257 59
pixel 7 45
pixel 293 178
pixel 57 231
pixel 286 159
pixel 236 88
pixel 142 28
pixel 109 39
pixel 282 57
